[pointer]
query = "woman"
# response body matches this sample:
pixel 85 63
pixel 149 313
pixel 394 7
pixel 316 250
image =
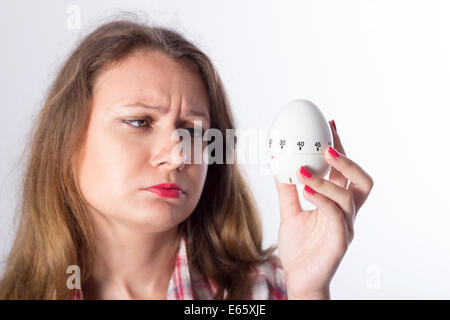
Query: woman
pixel 92 194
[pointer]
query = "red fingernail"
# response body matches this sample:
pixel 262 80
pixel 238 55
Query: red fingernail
pixel 309 190
pixel 334 125
pixel 332 152
pixel 305 172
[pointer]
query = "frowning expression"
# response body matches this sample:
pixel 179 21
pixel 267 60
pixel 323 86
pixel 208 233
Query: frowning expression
pixel 137 104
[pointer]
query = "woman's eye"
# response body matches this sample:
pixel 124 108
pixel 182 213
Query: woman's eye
pixel 144 123
pixel 196 132
pixel 137 123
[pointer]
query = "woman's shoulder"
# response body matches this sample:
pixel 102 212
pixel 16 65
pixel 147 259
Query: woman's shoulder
pixel 270 283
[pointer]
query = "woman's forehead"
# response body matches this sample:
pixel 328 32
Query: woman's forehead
pixel 153 78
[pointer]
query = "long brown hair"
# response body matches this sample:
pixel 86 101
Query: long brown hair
pixel 224 233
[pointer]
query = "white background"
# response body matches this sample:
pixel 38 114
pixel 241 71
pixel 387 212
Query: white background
pixel 379 68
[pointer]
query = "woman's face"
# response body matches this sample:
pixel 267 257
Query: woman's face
pixel 120 158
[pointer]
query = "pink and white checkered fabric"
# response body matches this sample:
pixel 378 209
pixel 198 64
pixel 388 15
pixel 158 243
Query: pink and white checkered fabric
pixel 188 284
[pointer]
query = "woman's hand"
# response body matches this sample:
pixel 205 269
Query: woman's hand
pixel 311 243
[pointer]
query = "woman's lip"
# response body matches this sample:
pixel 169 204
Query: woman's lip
pixel 167 186
pixel 167 193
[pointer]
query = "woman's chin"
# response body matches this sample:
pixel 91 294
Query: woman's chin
pixel 158 217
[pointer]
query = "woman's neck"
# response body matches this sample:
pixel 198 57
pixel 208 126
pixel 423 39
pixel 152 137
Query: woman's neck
pixel 132 265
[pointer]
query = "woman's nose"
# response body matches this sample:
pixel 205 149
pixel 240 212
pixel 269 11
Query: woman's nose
pixel 167 150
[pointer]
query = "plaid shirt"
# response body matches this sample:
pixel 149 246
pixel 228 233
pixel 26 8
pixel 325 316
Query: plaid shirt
pixel 188 284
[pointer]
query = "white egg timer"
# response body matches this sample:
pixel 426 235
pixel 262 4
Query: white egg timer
pixel 299 136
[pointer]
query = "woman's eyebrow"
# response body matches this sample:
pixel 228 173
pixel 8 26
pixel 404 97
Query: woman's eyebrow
pixel 164 110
